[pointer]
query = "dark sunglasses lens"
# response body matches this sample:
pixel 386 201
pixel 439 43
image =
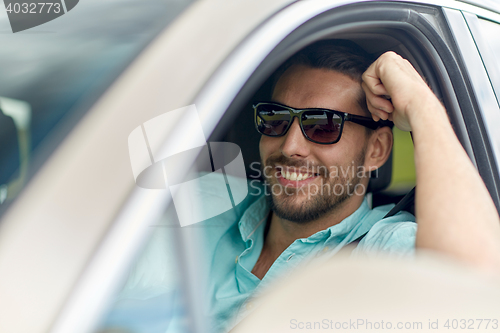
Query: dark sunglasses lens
pixel 272 119
pixel 322 126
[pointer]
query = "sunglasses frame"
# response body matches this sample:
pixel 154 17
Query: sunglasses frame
pixel 344 116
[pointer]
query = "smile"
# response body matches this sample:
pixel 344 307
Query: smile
pixel 293 175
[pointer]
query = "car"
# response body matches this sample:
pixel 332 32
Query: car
pixel 82 95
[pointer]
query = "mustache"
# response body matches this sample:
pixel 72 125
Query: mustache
pixel 298 165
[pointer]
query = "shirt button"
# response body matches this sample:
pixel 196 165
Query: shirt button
pixel 236 260
pixel 325 249
pixel 290 257
pixel 249 306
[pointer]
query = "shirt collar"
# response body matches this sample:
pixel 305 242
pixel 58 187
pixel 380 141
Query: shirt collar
pixel 341 230
pixel 258 212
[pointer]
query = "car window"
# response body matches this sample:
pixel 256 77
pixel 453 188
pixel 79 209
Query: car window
pixel 493 4
pixel 154 295
pixel 53 73
pixel 491 30
pixel 403 163
pixel 486 34
pixel 151 298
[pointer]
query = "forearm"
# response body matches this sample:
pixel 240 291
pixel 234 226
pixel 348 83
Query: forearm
pixel 454 210
pixel 455 213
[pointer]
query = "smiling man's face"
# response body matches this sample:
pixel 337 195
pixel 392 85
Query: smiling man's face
pixel 326 176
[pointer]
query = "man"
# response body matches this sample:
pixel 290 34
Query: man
pixel 324 210
pixel 326 75
pixel 446 179
pixel 305 217
pixel 316 131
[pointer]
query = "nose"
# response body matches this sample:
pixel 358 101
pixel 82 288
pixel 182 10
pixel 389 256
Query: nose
pixel 294 143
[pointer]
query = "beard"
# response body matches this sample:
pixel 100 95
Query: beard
pixel 311 202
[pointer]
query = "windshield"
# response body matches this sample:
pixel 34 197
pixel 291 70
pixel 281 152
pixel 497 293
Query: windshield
pixel 53 73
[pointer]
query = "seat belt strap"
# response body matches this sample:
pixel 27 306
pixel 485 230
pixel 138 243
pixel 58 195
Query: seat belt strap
pixel 406 201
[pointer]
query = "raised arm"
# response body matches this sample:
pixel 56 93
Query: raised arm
pixel 454 211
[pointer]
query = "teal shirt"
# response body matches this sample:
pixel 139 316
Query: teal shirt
pixel 235 250
pixel 231 245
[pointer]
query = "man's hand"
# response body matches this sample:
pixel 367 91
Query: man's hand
pixel 394 91
pixel 455 213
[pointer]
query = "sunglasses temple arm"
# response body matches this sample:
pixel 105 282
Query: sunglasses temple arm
pixel 367 122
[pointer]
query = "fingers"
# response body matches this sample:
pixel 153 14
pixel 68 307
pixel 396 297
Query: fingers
pixel 379 106
pixel 391 75
pixel 385 74
pixel 373 82
pixel 376 93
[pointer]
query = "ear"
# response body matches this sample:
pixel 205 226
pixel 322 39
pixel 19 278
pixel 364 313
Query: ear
pixel 379 148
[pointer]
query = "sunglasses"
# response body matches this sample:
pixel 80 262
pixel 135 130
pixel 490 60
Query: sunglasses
pixel 321 126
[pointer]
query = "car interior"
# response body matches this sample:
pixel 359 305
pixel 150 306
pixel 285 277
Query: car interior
pixel 416 35
pixel 384 187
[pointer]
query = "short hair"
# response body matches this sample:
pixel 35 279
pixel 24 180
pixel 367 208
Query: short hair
pixel 343 56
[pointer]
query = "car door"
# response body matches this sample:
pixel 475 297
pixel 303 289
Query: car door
pixel 427 34
pixel 475 56
pixel 420 32
pixel 484 30
pixel 201 61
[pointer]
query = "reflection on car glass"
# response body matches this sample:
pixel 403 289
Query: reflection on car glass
pixel 59 69
pixel 15 148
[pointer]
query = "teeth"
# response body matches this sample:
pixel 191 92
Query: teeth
pixel 295 176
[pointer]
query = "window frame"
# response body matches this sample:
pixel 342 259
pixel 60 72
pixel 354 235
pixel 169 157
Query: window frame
pixel 485 111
